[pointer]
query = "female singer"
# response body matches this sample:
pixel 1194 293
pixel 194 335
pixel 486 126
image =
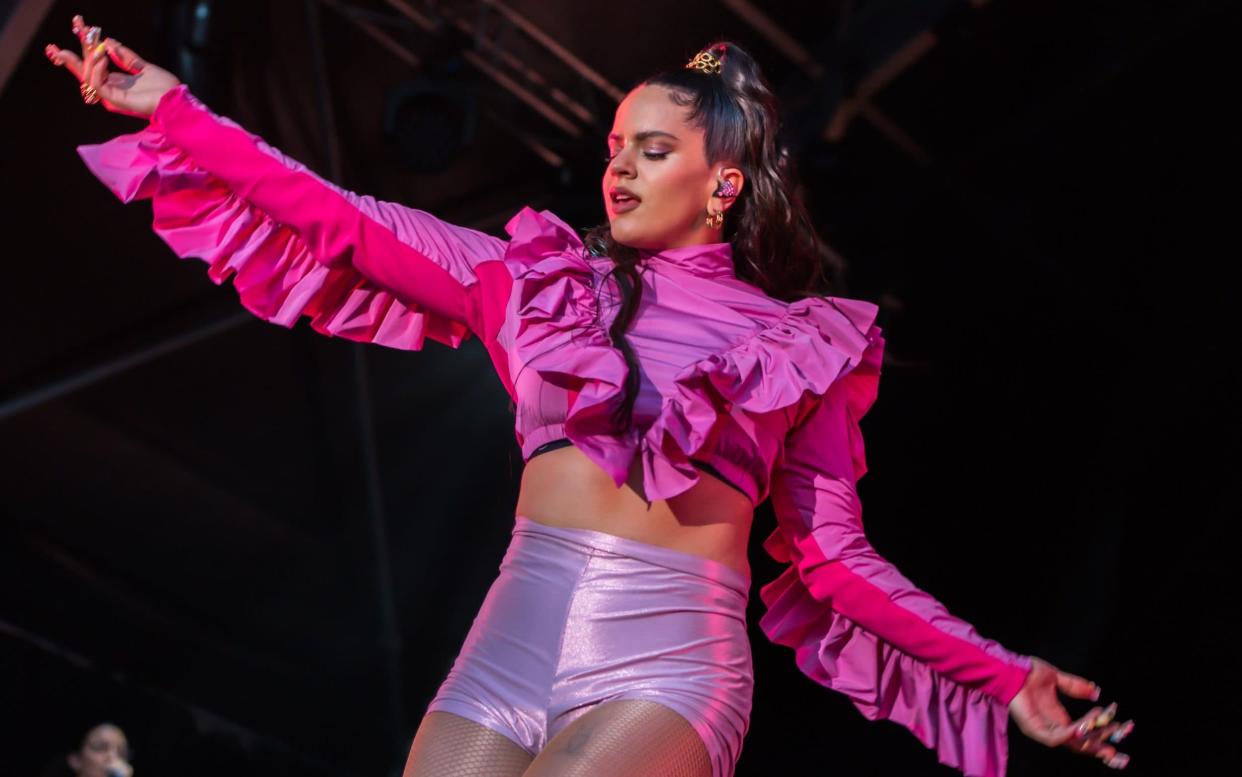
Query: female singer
pixel 670 370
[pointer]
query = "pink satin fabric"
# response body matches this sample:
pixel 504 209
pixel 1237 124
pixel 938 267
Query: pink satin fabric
pixel 578 617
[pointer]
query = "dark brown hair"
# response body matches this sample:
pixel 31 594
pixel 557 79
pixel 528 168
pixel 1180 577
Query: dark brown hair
pixel 775 246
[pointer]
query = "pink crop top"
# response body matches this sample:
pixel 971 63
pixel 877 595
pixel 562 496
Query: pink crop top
pixel 764 394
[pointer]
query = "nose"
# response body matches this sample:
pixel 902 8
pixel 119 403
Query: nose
pixel 622 165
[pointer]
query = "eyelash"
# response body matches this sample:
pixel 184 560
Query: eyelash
pixel 649 154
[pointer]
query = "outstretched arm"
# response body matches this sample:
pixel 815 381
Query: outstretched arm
pixel 293 243
pixel 859 626
pixel 424 261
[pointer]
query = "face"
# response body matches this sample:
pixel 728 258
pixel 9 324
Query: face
pixel 659 161
pixel 105 747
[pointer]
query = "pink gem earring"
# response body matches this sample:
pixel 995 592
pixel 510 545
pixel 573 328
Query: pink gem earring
pixel 726 189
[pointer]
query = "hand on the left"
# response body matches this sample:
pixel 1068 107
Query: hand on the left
pixel 1041 717
pixel 136 91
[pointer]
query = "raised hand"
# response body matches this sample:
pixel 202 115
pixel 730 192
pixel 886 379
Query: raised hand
pixel 1041 717
pixel 134 92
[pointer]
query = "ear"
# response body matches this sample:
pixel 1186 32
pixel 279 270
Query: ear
pixel 731 175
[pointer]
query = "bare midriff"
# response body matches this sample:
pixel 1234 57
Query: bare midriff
pixel 563 487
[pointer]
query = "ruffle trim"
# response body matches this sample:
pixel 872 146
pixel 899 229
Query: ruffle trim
pixel 816 342
pixel 275 275
pixel 966 727
pixel 557 334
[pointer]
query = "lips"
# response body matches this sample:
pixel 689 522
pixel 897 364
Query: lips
pixel 622 199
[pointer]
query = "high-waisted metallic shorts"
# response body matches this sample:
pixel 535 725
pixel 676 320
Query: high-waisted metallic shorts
pixel 579 617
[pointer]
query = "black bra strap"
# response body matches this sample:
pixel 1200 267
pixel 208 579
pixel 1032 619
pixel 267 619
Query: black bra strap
pixel 550 446
pixel 703 465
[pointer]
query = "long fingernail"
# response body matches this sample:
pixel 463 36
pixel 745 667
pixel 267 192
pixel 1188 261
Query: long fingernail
pixel 1119 761
pixel 1095 692
pixel 1106 715
pixel 1121 733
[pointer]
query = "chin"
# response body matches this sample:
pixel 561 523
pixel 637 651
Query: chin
pixel 627 235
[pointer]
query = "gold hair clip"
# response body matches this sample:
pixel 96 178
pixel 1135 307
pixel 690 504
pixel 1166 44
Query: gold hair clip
pixel 704 61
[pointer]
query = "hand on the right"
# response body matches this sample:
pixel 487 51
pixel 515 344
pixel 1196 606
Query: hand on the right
pixel 135 92
pixel 1040 715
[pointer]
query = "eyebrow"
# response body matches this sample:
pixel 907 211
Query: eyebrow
pixel 645 134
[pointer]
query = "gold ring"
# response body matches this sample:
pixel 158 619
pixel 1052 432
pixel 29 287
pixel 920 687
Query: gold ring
pixel 89 95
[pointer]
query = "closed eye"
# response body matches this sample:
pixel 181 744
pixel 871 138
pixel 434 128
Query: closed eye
pixel 649 154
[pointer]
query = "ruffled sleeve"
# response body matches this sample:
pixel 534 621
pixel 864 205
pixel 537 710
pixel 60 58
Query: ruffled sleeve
pixel 294 244
pixel 855 623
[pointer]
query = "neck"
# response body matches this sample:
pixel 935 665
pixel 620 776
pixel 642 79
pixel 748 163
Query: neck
pixel 703 234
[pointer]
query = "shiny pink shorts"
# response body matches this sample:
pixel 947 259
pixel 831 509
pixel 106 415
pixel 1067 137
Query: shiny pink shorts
pixel 579 617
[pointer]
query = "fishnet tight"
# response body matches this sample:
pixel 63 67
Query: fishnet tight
pixel 616 739
pixel 448 745
pixel 625 738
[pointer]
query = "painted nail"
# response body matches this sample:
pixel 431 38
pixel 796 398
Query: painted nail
pixel 1119 761
pixel 1121 733
pixel 1106 715
pixel 1095 692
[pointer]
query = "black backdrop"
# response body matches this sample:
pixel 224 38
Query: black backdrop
pixel 186 547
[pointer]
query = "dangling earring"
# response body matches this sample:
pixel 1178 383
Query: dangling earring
pixel 715 220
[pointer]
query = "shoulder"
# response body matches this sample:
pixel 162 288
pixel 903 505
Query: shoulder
pixel 828 347
pixel 528 225
pixel 795 356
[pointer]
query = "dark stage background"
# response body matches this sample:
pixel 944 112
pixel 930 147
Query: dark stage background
pixel 1032 191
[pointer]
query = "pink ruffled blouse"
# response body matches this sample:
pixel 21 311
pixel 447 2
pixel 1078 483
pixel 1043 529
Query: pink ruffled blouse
pixel 764 393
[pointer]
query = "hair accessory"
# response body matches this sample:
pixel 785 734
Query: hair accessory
pixel 726 189
pixel 705 62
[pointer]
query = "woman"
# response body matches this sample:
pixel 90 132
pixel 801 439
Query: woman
pixel 669 374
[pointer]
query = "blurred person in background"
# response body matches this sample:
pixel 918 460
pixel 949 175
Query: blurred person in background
pixel 102 752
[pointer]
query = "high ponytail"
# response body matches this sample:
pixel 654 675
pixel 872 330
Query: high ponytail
pixel 775 246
